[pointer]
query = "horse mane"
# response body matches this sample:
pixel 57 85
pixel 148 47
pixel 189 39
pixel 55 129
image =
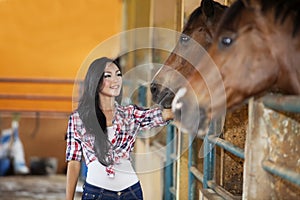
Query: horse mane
pixel 231 13
pixel 197 12
pixel 282 9
pixel 194 16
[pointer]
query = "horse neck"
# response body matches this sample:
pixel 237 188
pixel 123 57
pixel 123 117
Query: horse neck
pixel 287 55
pixel 285 49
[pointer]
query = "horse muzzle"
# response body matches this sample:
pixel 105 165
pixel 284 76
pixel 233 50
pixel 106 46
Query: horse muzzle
pixel 162 95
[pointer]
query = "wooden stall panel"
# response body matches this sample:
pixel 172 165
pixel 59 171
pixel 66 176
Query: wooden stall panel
pixel 274 137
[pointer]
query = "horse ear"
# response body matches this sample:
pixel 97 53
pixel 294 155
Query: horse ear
pixel 208 8
pixel 246 3
pixel 252 3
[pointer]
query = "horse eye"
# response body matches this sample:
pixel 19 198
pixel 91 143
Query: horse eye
pixel 226 41
pixel 184 39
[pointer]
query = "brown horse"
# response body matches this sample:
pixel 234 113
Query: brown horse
pixel 196 37
pixel 256 50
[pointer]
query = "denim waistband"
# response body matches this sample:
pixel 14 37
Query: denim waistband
pixel 99 189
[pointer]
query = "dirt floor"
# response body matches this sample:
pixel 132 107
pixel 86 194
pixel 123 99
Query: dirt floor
pixel 34 187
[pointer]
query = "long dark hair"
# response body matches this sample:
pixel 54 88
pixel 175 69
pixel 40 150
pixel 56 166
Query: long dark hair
pixel 89 111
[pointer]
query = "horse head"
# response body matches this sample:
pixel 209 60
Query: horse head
pixel 197 34
pixel 256 50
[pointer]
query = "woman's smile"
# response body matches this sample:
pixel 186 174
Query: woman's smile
pixel 112 81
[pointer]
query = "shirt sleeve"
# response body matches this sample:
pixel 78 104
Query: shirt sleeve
pixel 74 149
pixel 149 118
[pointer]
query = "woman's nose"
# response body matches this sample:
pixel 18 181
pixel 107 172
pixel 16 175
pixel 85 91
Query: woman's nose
pixel 116 79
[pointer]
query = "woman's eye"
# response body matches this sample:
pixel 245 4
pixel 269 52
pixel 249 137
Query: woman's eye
pixel 119 74
pixel 107 75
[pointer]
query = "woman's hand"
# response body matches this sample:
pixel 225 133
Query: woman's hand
pixel 167 114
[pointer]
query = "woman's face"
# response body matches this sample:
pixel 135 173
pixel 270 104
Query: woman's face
pixel 112 81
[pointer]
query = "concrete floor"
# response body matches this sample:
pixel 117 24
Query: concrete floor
pixel 33 187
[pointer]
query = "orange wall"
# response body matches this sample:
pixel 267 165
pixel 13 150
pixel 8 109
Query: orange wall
pixel 50 39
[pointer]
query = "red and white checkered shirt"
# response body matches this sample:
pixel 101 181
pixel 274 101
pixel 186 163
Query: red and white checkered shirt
pixel 127 123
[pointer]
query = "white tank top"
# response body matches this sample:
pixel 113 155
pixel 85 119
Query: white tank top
pixel 125 175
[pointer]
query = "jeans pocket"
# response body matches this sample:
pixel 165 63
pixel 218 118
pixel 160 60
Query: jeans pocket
pixel 136 194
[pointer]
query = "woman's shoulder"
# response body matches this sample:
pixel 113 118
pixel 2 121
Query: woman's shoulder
pixel 75 120
pixel 74 113
pixel 74 116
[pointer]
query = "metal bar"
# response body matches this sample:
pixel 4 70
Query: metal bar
pixel 173 156
pixel 221 191
pixel 227 146
pixel 172 191
pixel 283 172
pixel 35 97
pixel 209 158
pixel 284 103
pixel 197 174
pixel 38 80
pixel 142 92
pixel 178 163
pixel 169 166
pixel 208 166
pixel 191 162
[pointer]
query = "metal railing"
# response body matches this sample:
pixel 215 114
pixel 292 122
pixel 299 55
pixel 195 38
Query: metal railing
pixel 211 140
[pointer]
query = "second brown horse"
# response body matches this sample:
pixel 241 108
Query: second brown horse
pixel 256 50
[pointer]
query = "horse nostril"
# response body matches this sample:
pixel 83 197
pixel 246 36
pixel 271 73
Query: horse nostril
pixel 153 88
pixel 169 93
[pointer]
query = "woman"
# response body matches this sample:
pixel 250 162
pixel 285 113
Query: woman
pixel 103 133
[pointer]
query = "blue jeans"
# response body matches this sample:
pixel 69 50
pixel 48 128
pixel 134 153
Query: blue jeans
pixel 133 192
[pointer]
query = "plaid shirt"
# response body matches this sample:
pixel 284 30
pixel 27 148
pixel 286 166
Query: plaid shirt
pixel 127 123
